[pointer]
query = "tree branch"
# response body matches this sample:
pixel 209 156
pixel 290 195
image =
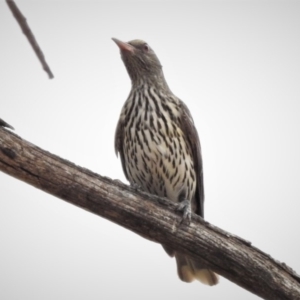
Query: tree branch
pixel 149 216
pixel 28 33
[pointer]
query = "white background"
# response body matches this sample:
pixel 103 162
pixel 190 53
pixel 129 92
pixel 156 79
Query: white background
pixel 234 63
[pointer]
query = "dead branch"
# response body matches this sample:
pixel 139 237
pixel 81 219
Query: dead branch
pixel 28 33
pixel 149 216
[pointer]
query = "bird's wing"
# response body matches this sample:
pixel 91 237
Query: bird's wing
pixel 190 131
pixel 119 140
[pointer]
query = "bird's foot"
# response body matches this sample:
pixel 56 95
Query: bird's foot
pixel 185 207
pixel 136 186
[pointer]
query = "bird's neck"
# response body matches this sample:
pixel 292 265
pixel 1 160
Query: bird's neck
pixel 156 81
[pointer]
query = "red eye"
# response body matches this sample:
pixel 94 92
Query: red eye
pixel 146 48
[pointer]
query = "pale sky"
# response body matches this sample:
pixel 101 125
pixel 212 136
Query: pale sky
pixel 236 65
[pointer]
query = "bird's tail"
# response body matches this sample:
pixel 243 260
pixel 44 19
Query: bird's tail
pixel 188 270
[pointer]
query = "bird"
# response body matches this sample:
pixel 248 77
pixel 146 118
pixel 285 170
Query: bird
pixel 159 145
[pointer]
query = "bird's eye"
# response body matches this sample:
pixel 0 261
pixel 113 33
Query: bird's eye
pixel 146 48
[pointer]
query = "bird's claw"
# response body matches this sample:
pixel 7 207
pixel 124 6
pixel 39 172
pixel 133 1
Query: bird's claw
pixel 185 207
pixel 135 186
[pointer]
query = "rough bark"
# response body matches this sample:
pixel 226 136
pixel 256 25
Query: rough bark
pixel 149 216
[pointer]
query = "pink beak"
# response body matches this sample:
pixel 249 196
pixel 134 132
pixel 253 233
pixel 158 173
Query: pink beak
pixel 124 46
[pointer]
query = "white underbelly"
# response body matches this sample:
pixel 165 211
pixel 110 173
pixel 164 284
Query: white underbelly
pixel 158 166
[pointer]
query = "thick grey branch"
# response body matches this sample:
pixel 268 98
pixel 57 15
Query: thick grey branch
pixel 149 216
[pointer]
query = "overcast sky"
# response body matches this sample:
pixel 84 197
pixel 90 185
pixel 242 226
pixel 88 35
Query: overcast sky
pixel 234 63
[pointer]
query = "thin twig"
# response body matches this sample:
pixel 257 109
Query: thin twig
pixel 28 33
pixel 4 124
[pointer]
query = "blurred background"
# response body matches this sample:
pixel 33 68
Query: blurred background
pixel 234 63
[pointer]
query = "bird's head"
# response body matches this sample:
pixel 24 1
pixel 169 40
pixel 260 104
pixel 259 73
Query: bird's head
pixel 140 61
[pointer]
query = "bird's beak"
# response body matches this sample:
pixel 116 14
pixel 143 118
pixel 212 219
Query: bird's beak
pixel 124 46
